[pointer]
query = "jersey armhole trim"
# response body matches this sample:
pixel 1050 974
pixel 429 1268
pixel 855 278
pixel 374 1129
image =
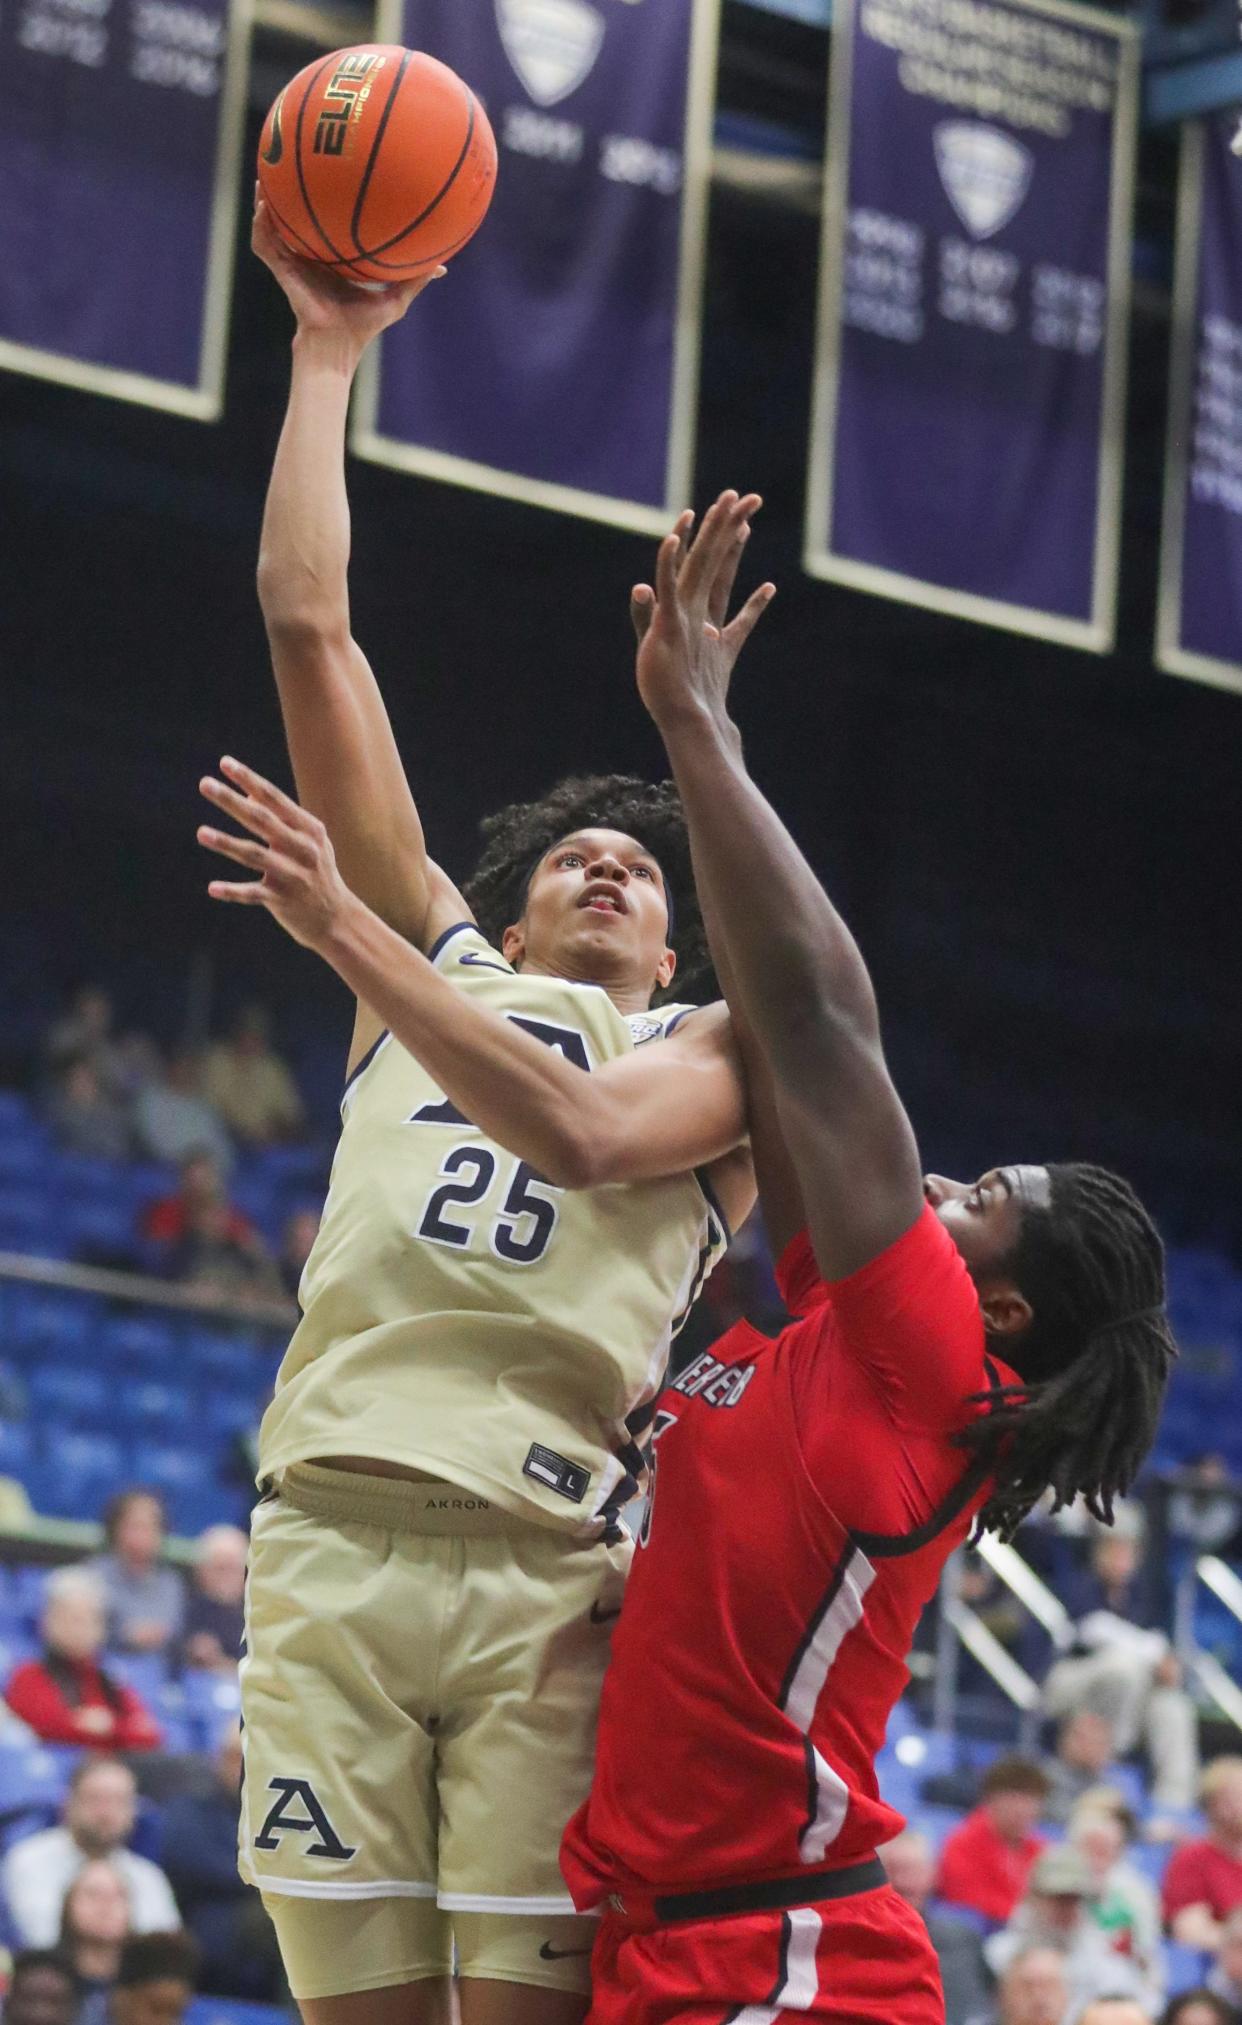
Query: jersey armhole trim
pixel 362 1067
pixel 712 1200
pixel 886 1545
pixel 438 946
pixel 677 1019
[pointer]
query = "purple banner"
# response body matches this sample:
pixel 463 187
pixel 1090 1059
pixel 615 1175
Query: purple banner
pixel 559 362
pixel 1199 615
pixel 967 445
pixel 119 156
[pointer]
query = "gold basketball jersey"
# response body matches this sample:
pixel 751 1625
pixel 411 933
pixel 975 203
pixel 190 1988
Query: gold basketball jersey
pixel 463 1317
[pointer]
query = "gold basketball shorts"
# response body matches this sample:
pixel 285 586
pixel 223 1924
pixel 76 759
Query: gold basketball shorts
pixel 419 1696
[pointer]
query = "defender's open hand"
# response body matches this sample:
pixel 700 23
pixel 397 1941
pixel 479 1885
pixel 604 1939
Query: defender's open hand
pixel 687 645
pixel 290 850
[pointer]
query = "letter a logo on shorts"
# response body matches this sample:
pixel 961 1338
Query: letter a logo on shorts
pixel 282 1819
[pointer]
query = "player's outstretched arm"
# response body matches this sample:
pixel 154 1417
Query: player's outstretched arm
pixel 660 1111
pixel 345 759
pixel 801 984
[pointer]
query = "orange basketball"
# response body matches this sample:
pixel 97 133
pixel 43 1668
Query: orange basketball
pixel 377 161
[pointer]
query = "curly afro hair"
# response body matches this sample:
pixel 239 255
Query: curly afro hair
pixel 516 838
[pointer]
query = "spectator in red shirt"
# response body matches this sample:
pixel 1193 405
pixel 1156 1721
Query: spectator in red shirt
pixel 170 1220
pixel 985 1863
pixel 1203 1882
pixel 66 1696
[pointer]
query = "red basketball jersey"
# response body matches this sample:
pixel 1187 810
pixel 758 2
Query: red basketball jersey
pixel 805 1494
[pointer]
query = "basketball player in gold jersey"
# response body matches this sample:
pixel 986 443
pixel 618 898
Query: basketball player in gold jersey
pixel 435 1560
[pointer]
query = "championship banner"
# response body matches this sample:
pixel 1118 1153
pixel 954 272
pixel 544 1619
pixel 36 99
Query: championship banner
pixel 120 151
pixel 971 353
pixel 1199 609
pixel 559 361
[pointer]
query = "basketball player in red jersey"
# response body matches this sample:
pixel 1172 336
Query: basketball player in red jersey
pixel 957 1351
pixel 960 1349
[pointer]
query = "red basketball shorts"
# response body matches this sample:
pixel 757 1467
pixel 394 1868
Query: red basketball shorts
pixel 863 1960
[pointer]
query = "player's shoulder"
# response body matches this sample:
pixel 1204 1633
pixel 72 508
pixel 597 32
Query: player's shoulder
pixel 463 946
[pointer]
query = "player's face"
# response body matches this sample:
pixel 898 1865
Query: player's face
pixel 596 910
pixel 984 1217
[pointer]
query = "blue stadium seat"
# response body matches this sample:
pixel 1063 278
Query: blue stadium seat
pixel 232 2011
pixel 103 1231
pixel 1185 1968
pixel 30 1221
pixel 79 1473
pixel 145 1672
pixel 26 1587
pixel 152 1403
pixel 17 1448
pixel 75 1395
pixel 233 1413
pixel 51 1318
pixel 222 1354
pixel 140 1340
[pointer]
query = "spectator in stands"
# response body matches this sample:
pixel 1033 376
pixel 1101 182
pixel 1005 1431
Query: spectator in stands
pixel 1198 2007
pixel 215 1607
pixel 94 1926
pixel 1033 1991
pixel 66 1696
pixel 1203 1883
pixel 173 1119
pixel 85 1117
pixel 1203 1509
pixel 1083 1755
pixel 986 1861
pixel 156 1980
pixel 1225 1979
pixel 251 1086
pixel 167 1221
pixel 1126 1907
pixel 98 1822
pixel 85 1034
pixel 911 1866
pixel 227 1920
pixel 301 1230
pixel 1124 1669
pixel 1057 1912
pixel 144 1598
pixel 1115 2011
pixel 42 1989
pixel 212 1258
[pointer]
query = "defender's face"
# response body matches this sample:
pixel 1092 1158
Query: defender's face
pixel 984 1217
pixel 596 907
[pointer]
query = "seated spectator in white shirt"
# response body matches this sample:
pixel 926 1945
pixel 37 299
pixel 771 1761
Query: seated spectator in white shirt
pixel 911 1865
pixel 215 1616
pixel 1057 1912
pixel 98 1821
pixel 145 1599
pixel 174 1119
pixel 94 1926
pixel 1127 1906
pixel 42 1989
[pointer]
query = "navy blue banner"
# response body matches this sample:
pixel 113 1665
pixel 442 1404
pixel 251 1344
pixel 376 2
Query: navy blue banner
pixel 558 363
pixel 120 151
pixel 970 390
pixel 1199 615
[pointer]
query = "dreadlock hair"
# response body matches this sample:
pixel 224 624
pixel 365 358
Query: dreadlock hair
pixel 1095 1360
pixel 518 837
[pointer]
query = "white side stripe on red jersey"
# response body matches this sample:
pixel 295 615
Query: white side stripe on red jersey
pixel 839 1611
pixel 798 1986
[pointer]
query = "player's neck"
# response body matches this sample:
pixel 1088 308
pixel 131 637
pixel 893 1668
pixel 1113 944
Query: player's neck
pixel 628 994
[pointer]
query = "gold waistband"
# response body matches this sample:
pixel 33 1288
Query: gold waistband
pixel 394 1504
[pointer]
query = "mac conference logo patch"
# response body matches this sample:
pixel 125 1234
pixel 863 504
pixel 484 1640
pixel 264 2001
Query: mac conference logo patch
pixel 552 44
pixel 986 174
